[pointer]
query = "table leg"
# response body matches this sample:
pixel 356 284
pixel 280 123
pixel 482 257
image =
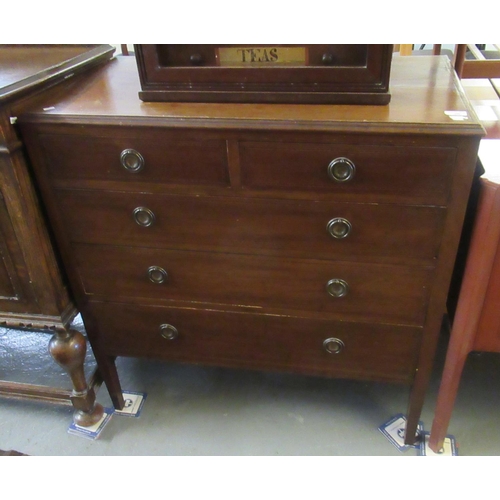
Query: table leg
pixel 454 364
pixel 478 272
pixel 68 348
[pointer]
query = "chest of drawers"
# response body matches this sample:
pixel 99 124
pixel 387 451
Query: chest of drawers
pixel 312 239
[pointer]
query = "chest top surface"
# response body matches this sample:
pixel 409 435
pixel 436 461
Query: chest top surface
pixel 427 97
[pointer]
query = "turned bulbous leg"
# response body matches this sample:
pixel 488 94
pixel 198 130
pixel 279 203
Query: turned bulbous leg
pixel 68 348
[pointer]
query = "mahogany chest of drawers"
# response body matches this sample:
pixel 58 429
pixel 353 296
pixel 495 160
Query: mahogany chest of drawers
pixel 315 239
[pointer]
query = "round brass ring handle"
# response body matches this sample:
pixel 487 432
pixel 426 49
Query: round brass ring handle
pixel 341 169
pixel 157 275
pixel 337 288
pixel 339 228
pixel 143 216
pixel 132 160
pixel 333 345
pixel 169 332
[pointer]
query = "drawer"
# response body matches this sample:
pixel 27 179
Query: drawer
pixel 139 155
pixel 379 352
pixel 358 290
pixel 297 228
pixel 377 173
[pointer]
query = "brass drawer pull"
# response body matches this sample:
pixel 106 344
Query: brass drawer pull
pixel 337 288
pixel 341 169
pixel 157 275
pixel 132 160
pixel 169 332
pixel 333 345
pixel 339 228
pixel 143 216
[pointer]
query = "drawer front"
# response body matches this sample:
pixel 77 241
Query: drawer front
pixel 259 341
pixel 368 291
pixel 374 172
pixel 142 155
pixel 297 228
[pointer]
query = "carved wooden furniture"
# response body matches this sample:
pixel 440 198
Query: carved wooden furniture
pixel 33 292
pixel 476 326
pixel 317 239
pixel 348 74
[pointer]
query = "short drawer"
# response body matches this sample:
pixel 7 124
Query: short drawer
pixel 377 173
pixel 302 345
pixel 296 228
pixel 139 155
pixel 343 289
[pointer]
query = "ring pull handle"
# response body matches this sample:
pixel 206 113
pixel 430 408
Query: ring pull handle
pixel 333 345
pixel 143 216
pixel 339 228
pixel 131 160
pixel 337 288
pixel 169 332
pixel 157 275
pixel 341 169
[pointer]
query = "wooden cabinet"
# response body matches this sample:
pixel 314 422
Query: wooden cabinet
pixel 316 239
pixel 342 73
pixel 33 290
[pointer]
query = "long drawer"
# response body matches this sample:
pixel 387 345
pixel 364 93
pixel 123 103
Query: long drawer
pixel 222 338
pixel 295 228
pixel 347 290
